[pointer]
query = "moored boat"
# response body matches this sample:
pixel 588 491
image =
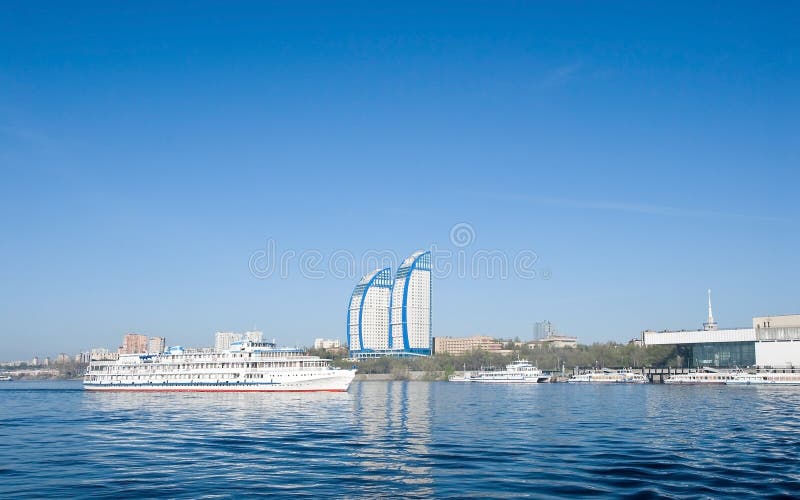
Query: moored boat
pixel 518 372
pixel 705 376
pixel 608 377
pixel 765 378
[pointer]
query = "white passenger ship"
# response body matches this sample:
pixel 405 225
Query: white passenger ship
pixel 608 377
pixel 518 372
pixel 246 367
pixel 765 377
pixel 706 376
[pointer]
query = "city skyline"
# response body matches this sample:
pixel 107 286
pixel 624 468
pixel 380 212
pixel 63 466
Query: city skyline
pixel 636 156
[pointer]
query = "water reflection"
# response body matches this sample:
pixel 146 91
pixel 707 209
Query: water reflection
pixel 394 419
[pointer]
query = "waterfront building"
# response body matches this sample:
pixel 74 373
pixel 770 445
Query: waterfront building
pixel 134 343
pixel 771 341
pixel 456 346
pixel 411 305
pixel 327 344
pixel 223 340
pixel 368 312
pixel 63 358
pixel 156 345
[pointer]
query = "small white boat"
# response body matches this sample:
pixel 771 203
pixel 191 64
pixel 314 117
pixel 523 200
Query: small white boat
pixel 6 378
pixel 608 377
pixel 765 378
pixel 518 372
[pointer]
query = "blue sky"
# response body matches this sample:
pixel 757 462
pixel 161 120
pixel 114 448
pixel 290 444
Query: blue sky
pixel 148 150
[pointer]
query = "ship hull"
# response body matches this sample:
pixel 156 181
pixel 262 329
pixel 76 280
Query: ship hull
pixel 340 382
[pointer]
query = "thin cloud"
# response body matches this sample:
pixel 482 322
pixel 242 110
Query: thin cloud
pixel 617 206
pixel 560 75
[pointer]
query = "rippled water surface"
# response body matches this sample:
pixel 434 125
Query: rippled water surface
pixel 402 439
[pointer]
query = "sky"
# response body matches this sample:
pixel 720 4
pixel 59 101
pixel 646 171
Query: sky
pixel 619 158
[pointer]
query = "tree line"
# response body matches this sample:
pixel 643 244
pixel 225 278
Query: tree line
pixel 597 355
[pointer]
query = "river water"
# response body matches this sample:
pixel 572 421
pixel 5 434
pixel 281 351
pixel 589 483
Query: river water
pixel 411 439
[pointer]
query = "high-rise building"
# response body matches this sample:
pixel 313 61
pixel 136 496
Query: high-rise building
pixel 223 340
pixel 134 343
pixel 368 313
pixel 411 305
pixel 543 329
pixel 388 316
pixel 156 345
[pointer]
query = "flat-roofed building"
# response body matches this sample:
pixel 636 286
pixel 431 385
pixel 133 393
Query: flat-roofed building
pixel 555 341
pixel 778 340
pixel 327 344
pixel 460 345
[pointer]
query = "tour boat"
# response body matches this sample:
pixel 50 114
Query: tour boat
pixel 706 376
pixel 245 367
pixel 518 372
pixel 608 377
pixel 766 377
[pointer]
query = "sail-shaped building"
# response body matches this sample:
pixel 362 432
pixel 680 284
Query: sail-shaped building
pixel 368 321
pixel 391 316
pixel 411 305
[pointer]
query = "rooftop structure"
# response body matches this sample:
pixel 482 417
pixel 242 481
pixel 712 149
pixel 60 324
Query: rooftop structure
pixel 710 324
